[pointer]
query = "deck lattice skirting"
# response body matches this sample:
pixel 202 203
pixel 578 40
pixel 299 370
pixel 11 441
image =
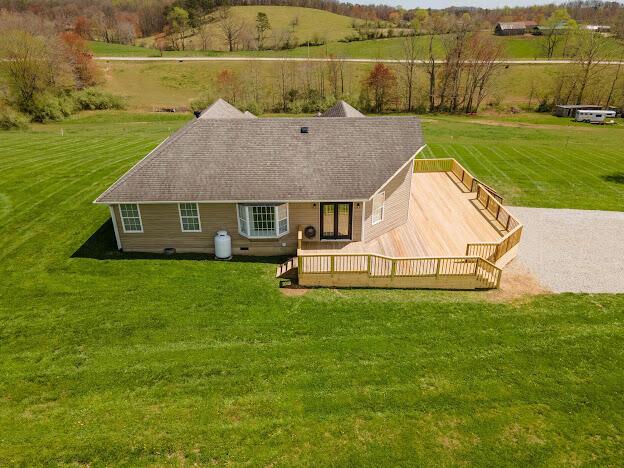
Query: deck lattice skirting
pixel 479 268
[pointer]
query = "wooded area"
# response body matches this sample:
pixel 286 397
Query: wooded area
pixel 50 72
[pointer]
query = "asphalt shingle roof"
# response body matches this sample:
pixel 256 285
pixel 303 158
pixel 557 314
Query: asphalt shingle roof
pixel 221 109
pixel 270 159
pixel 342 109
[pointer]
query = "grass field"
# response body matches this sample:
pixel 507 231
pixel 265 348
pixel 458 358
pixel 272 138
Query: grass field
pixel 109 359
pixel 173 84
pixel 515 48
pixel 540 162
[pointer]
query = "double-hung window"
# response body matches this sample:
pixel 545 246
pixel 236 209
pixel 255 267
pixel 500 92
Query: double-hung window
pixel 263 221
pixel 378 207
pixel 130 217
pixel 189 217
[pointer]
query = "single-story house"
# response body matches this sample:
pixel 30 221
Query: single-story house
pixel 340 192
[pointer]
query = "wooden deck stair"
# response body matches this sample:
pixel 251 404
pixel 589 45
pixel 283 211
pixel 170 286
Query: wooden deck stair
pixel 288 270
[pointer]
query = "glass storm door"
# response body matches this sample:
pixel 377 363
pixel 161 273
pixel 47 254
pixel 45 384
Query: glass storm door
pixel 336 220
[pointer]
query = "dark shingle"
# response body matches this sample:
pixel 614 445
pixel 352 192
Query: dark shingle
pixel 342 109
pixel 271 160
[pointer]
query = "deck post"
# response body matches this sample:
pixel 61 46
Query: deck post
pixel 368 264
pixel 438 260
pixel 331 264
pixel 393 269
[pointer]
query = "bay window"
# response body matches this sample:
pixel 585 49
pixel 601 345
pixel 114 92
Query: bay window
pixel 263 221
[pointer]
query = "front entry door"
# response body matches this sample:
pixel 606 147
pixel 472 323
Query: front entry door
pixel 336 220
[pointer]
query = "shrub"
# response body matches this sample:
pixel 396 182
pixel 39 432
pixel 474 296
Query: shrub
pixel 47 107
pixel 201 103
pixel 544 106
pixel 96 99
pixel 254 107
pixel 11 119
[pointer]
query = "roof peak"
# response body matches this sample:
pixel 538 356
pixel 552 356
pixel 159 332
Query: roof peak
pixel 342 109
pixel 221 109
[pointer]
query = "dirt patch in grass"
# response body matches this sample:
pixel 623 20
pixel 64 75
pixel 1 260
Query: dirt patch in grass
pixel 502 123
pixel 517 282
pixel 294 290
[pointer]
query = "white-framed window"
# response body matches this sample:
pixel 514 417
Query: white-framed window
pixel 262 221
pixel 189 217
pixel 130 217
pixel 378 207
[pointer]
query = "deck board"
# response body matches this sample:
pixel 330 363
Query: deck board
pixel 442 220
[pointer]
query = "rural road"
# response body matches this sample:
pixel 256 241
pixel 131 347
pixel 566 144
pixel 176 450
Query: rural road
pixel 573 250
pixel 317 59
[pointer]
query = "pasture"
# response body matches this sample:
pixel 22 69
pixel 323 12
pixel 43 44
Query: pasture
pixel 150 85
pixel 315 24
pixel 114 359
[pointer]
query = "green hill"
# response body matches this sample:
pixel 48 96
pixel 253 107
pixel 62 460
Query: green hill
pixel 311 24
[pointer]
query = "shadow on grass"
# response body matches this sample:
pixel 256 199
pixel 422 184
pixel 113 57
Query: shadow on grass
pixel 616 178
pixel 102 246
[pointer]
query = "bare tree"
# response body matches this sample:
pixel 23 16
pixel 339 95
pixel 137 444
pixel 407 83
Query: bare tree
pixel 615 79
pixel 484 59
pixel 455 46
pixel 411 54
pixel 204 33
pixel 589 56
pixel 230 27
pixel 434 26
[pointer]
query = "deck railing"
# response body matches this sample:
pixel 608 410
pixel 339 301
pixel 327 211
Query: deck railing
pixel 451 165
pixel 493 251
pixel 479 262
pixel 491 202
pixel 380 266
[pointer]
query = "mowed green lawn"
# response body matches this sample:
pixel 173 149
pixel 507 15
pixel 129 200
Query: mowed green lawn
pixel 538 161
pixel 109 359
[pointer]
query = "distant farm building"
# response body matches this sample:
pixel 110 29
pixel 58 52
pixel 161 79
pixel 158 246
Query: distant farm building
pixel 569 110
pixel 556 29
pixel 512 28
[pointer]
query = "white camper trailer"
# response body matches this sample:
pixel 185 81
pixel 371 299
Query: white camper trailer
pixel 594 116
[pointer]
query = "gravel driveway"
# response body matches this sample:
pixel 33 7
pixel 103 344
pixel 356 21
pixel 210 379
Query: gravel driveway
pixel 573 250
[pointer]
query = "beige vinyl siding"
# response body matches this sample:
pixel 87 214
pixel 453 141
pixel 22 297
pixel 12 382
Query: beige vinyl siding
pixel 397 195
pixel 161 229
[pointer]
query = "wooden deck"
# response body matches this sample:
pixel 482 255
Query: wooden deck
pixel 443 218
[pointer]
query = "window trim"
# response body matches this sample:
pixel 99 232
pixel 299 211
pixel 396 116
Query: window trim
pixel 121 217
pixel 249 220
pixel 198 217
pixel 335 237
pixel 382 208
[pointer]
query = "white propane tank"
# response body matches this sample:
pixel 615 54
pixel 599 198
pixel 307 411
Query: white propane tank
pixel 223 245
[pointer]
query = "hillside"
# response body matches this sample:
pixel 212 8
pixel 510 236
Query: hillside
pixel 311 25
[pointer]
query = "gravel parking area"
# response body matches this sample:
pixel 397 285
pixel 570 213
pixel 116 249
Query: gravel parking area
pixel 573 250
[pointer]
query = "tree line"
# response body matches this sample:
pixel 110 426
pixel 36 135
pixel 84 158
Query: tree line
pixel 124 21
pixel 46 74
